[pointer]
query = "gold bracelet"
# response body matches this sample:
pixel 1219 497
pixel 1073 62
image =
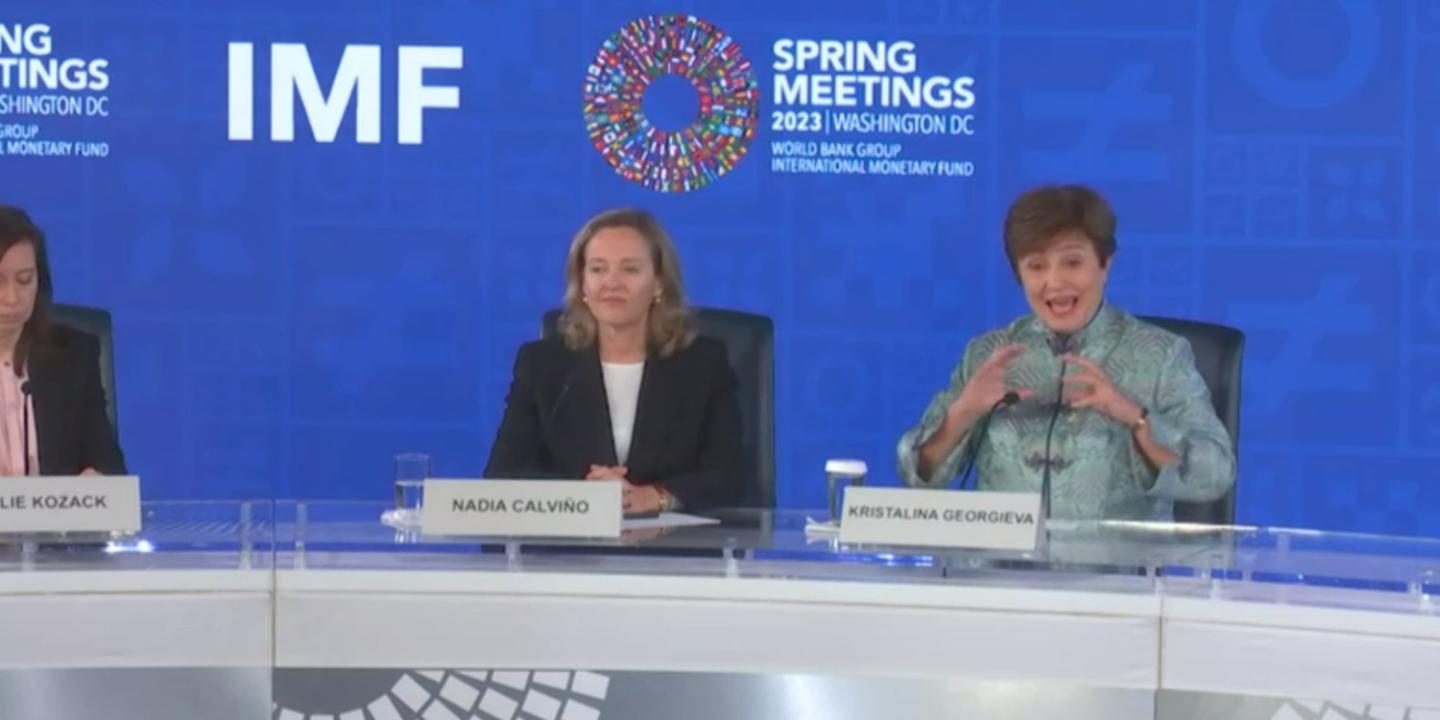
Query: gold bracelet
pixel 1141 422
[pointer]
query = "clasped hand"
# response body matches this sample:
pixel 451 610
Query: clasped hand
pixel 634 499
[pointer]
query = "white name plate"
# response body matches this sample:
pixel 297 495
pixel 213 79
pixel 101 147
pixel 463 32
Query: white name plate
pixel 86 503
pixel 521 508
pixel 944 518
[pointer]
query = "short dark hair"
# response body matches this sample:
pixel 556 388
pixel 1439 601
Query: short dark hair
pixel 16 227
pixel 1039 215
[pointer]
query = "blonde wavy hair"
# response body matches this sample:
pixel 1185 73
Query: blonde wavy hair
pixel 669 325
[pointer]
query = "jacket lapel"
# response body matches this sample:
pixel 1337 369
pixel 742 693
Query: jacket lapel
pixel 46 393
pixel 651 416
pixel 592 411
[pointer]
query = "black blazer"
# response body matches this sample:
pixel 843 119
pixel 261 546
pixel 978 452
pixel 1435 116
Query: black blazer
pixel 687 421
pixel 72 430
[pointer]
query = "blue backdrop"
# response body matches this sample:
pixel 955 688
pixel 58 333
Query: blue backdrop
pixel 292 313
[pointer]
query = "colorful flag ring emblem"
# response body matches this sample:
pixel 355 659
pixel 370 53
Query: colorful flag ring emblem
pixel 694 49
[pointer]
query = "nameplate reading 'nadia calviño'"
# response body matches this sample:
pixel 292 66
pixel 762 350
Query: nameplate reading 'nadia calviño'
pixel 521 508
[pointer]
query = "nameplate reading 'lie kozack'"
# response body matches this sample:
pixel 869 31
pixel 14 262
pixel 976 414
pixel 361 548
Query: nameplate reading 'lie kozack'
pixel 87 503
pixel 900 516
pixel 521 508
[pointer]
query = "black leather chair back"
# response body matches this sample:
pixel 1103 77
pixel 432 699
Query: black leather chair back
pixel 95 322
pixel 750 341
pixel 1219 351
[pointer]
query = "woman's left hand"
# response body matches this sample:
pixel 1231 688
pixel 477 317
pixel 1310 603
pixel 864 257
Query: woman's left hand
pixel 605 472
pixel 640 499
pixel 1090 387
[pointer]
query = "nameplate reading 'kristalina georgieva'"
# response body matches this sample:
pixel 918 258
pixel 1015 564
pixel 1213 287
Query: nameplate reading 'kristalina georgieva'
pixel 521 508
pixel 89 503
pixel 943 518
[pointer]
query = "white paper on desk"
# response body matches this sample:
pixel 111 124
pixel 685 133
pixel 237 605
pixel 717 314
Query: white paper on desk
pixel 667 520
pixel 821 529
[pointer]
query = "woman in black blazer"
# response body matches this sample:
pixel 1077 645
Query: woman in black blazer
pixel 52 405
pixel 627 392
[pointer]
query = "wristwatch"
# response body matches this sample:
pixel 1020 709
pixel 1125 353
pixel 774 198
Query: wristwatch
pixel 665 501
pixel 1141 422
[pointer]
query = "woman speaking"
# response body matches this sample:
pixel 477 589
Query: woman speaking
pixel 1104 414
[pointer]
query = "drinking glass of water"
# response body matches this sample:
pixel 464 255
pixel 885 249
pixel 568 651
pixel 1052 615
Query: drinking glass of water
pixel 842 474
pixel 411 469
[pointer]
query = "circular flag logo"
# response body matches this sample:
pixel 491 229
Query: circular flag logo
pixel 640 76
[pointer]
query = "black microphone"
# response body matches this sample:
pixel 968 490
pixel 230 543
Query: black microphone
pixel 560 397
pixel 978 432
pixel 1060 345
pixel 25 420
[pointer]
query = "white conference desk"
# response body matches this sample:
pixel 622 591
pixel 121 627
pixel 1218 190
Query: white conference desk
pixel 748 619
pixel 176 622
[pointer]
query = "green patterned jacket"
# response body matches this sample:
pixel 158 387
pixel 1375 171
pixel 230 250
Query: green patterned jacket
pixel 1097 471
